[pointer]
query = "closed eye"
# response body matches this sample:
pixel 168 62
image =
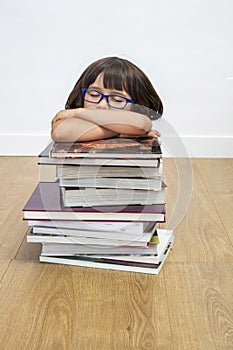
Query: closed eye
pixel 117 98
pixel 93 93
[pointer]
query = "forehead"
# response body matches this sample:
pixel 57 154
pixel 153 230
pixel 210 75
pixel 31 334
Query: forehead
pixel 99 81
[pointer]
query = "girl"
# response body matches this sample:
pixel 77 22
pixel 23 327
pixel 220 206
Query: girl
pixel 113 97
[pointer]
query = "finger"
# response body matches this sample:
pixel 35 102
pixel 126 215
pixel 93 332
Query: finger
pixel 157 133
pixel 153 133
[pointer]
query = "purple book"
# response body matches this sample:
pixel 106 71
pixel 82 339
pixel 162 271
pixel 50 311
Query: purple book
pixel 46 203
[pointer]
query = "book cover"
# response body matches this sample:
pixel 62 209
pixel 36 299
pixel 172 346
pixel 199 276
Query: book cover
pixel 46 151
pixel 44 158
pixel 121 227
pixel 116 147
pixel 46 203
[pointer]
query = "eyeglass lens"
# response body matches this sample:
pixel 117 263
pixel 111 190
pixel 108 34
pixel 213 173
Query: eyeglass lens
pixel 114 101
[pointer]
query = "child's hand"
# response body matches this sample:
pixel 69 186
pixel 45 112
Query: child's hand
pixel 153 133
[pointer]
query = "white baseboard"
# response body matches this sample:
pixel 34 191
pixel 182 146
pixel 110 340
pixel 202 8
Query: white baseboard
pixel 184 146
pixel 23 144
pixel 198 146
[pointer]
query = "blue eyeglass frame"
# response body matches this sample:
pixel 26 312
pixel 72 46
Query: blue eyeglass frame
pixel 128 100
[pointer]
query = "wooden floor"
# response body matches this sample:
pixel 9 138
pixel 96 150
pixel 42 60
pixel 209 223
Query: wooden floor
pixel 189 305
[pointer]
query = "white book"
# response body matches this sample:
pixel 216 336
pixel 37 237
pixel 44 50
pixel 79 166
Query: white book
pixel 88 197
pixel 109 226
pixel 115 216
pixel 93 241
pixel 59 249
pixel 121 235
pixel 88 171
pixel 131 184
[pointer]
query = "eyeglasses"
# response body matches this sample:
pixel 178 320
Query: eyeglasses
pixel 113 100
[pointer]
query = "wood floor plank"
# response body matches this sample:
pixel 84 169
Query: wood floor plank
pixel 19 181
pixel 4 264
pixel 187 306
pixel 81 308
pixel 218 176
pixel 200 305
pixel 201 236
pixel 178 175
pixel 19 176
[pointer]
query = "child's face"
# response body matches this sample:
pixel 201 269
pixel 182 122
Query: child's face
pixel 99 86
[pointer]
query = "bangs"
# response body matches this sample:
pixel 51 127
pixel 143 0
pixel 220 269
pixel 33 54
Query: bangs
pixel 116 72
pixel 115 79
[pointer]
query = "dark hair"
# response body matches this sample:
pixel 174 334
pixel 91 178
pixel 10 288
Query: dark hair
pixel 119 74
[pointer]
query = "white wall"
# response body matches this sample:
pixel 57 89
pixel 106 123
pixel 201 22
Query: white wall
pixel 184 46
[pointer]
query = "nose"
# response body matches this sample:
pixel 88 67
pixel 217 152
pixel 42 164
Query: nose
pixel 103 104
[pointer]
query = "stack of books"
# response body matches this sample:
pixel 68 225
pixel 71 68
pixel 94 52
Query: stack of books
pixel 104 208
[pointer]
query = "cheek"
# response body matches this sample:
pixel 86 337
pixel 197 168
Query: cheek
pixel 88 105
pixel 128 107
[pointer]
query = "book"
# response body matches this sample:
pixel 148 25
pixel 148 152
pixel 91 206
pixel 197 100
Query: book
pixel 44 158
pixel 63 249
pixel 132 227
pixel 76 261
pixel 117 147
pixel 154 184
pixel 87 240
pixel 45 203
pixel 88 197
pixel 98 162
pixel 121 235
pixel 67 172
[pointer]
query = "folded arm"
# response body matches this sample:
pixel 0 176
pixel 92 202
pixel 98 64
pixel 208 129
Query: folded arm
pixel 74 129
pixel 85 124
